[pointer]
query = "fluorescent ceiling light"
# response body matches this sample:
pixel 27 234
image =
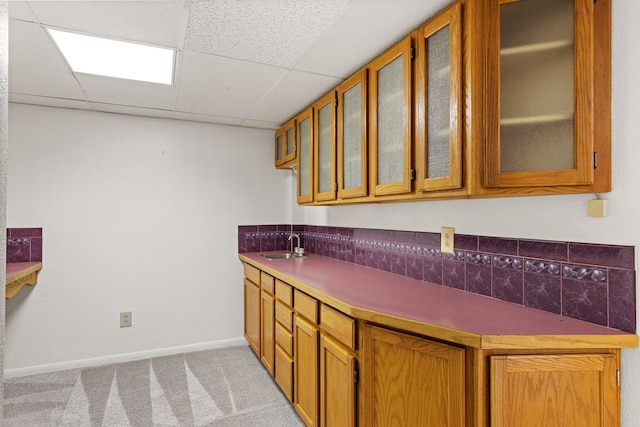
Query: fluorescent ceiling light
pixel 112 58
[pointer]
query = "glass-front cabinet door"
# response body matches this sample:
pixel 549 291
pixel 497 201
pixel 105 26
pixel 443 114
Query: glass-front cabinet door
pixel 352 136
pixel 305 156
pixel 390 111
pixel 540 83
pixel 439 102
pixel 285 145
pixel 324 143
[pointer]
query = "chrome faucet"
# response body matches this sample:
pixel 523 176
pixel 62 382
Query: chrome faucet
pixel 297 251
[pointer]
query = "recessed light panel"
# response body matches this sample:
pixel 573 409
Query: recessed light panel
pixel 112 58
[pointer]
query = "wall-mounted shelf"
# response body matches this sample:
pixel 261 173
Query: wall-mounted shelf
pixel 20 274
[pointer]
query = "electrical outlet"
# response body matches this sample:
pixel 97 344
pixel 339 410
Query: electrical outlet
pixel 447 235
pixel 125 319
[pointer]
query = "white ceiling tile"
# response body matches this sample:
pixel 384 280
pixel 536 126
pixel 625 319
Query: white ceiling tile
pixel 223 87
pixel 295 92
pixel 259 124
pixel 49 102
pixel 110 90
pixel 366 30
pixel 207 119
pixel 155 22
pixel 253 63
pixel 21 10
pixel 276 32
pixel 133 111
pixel 35 65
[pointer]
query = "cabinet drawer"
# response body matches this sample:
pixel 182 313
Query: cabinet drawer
pixel 338 325
pixel 267 282
pixel 284 339
pixel 284 372
pixel 284 315
pixel 252 273
pixel 306 306
pixel 284 293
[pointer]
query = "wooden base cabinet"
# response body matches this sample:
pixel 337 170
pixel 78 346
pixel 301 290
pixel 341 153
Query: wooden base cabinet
pixel 338 377
pixel 305 388
pixel 577 390
pixel 411 381
pixel 284 338
pixel 267 353
pixel 339 370
pixel 252 315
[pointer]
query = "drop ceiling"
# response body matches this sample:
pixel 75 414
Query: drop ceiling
pixel 252 63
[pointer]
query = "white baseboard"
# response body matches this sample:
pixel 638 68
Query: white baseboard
pixel 121 358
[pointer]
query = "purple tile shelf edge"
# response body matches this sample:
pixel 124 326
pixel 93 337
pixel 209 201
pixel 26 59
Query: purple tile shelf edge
pixel 595 283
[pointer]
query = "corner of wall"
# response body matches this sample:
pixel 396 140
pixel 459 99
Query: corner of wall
pixel 4 124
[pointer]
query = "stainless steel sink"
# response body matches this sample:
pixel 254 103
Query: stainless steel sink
pixel 286 255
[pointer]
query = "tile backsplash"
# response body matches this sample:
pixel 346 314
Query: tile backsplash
pixel 24 244
pixel 591 282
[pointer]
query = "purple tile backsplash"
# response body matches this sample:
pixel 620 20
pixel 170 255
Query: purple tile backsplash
pixel 24 244
pixel 595 283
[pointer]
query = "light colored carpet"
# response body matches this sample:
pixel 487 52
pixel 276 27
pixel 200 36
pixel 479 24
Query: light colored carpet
pixel 222 387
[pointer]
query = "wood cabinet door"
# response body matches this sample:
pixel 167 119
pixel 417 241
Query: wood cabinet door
pixel 304 134
pixel 284 372
pixel 324 148
pixel 555 391
pixel 352 136
pixel 285 144
pixel 252 315
pixel 305 387
pixel 439 102
pixel 390 120
pixel 540 93
pixel 411 381
pixel 267 329
pixel 337 384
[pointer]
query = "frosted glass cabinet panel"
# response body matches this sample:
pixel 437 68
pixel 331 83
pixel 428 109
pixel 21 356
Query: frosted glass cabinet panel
pixel 390 120
pixel 324 143
pixel 305 156
pixel 352 136
pixel 540 122
pixel 438 94
pixel 285 145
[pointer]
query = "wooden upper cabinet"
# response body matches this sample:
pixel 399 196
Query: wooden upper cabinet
pixel 285 145
pixel 390 120
pixel 541 81
pixel 324 148
pixel 352 136
pixel 555 390
pixel 304 131
pixel 439 102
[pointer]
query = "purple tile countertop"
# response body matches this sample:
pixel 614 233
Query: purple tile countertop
pixel 18 270
pixel 434 310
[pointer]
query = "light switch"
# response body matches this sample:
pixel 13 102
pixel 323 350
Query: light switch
pixel 447 235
